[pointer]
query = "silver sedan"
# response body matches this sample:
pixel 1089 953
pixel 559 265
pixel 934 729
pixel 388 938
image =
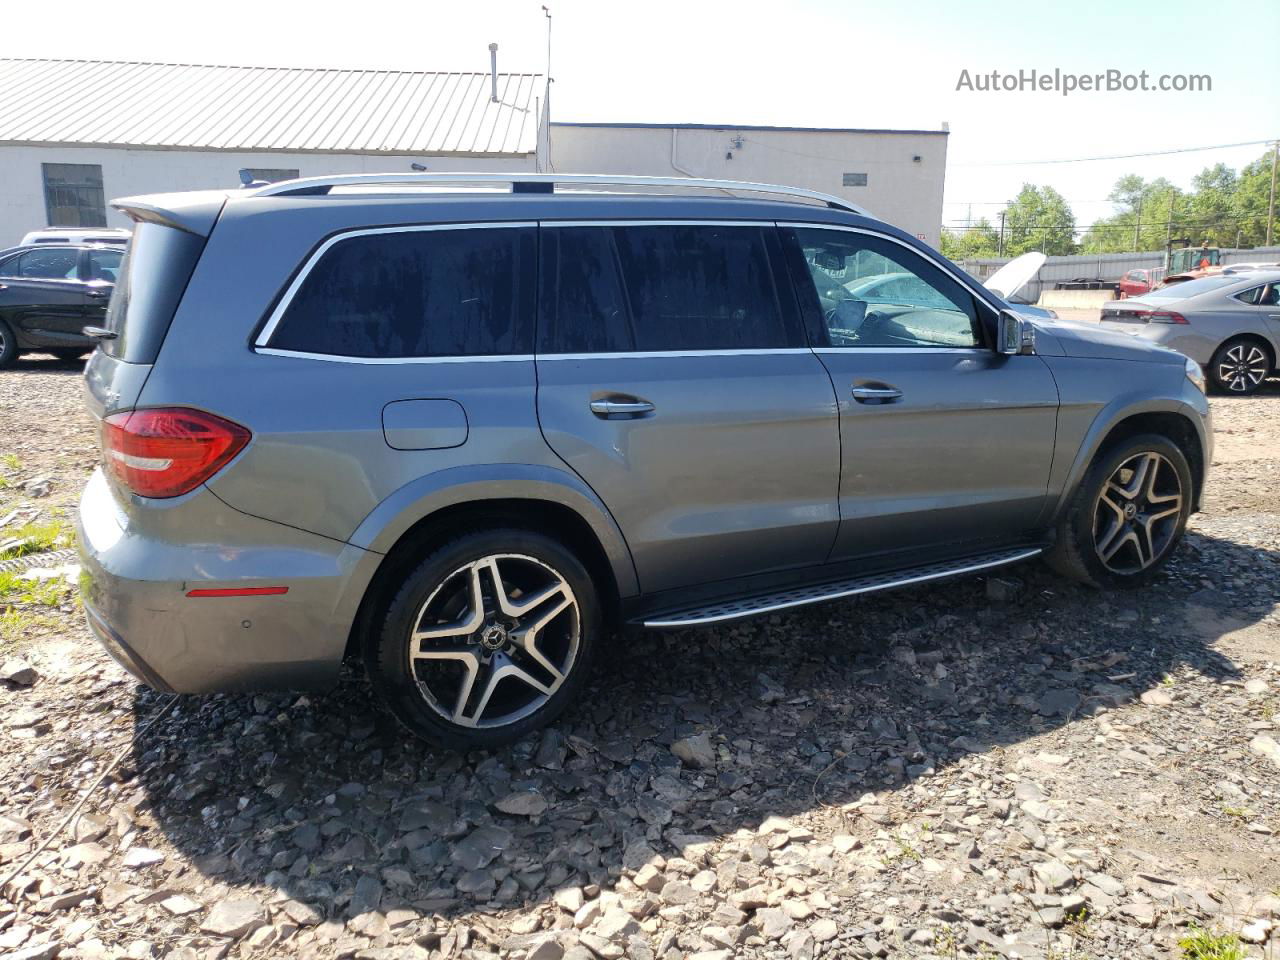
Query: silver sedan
pixel 1228 324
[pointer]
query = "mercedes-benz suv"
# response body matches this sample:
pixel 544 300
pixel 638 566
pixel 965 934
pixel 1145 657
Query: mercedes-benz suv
pixel 468 436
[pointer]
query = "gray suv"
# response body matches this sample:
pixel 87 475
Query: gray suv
pixel 468 437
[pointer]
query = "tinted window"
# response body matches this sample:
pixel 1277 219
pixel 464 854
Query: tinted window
pixel 871 292
pixel 149 283
pixel 50 264
pixel 700 288
pixel 586 310
pixel 105 264
pixel 421 293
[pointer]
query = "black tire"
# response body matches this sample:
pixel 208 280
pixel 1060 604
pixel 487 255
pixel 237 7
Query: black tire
pixel 1240 366
pixel 418 694
pixel 1076 552
pixel 8 346
pixel 69 355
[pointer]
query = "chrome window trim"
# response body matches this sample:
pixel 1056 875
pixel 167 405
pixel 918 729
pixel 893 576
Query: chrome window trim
pixel 941 264
pixel 925 347
pixel 291 291
pixel 384 361
pixel 671 354
pixel 656 223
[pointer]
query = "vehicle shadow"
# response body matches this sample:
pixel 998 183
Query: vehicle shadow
pixel 46 363
pixel 328 803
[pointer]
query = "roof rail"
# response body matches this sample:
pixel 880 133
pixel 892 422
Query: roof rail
pixel 541 183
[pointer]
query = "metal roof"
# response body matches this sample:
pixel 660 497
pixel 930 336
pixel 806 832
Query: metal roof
pixel 203 107
pixel 744 126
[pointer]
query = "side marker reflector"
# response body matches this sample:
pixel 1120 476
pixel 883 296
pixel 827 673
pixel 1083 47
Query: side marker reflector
pixel 239 592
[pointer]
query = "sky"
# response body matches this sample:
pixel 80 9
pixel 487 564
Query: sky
pixel 794 63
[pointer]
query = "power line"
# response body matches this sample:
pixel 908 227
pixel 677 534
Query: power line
pixel 1118 156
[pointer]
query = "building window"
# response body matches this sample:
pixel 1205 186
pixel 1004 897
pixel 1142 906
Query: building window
pixel 73 195
pixel 855 179
pixel 271 174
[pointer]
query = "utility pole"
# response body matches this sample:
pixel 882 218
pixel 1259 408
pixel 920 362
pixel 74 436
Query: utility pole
pixel 1271 204
pixel 1137 228
pixel 1000 246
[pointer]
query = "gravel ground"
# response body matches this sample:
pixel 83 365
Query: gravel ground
pixel 996 767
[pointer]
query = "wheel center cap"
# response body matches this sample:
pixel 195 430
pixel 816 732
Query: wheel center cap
pixel 494 636
pixel 1130 511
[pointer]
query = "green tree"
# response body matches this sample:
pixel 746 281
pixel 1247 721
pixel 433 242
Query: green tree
pixel 1142 223
pixel 1039 219
pixel 980 239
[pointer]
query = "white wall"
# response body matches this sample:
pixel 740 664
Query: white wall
pixel 126 172
pixel 899 190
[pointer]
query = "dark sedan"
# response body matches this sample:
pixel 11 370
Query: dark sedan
pixel 49 294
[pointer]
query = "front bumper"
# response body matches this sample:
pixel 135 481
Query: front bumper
pixel 137 571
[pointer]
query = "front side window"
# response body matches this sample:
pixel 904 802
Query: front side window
pixel 416 293
pixel 73 195
pixel 665 287
pixel 49 264
pixel 104 265
pixel 871 292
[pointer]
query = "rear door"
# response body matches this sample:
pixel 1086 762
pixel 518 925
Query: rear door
pixel 674 378
pixel 946 444
pixel 42 297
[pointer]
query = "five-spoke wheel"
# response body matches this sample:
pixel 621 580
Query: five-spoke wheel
pixel 1240 366
pixel 1137 511
pixel 1127 515
pixel 495 640
pixel 489 638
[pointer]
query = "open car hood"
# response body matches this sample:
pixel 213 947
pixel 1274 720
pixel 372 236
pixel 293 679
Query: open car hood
pixel 1015 274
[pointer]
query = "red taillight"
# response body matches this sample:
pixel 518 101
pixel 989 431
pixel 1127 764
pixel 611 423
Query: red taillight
pixel 1160 316
pixel 166 453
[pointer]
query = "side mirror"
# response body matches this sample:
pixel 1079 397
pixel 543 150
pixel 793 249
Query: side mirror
pixel 1015 335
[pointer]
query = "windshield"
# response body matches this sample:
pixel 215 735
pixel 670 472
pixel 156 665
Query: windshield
pixel 1191 288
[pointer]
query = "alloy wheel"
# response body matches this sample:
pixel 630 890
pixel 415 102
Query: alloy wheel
pixel 1137 513
pixel 495 640
pixel 1243 367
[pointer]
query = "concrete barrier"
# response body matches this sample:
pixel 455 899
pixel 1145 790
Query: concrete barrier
pixel 1076 299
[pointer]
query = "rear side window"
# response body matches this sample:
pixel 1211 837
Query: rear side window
pixel 416 293
pixel 664 288
pixel 150 281
pixel 45 265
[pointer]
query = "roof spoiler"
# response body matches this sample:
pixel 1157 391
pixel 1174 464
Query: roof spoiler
pixel 195 212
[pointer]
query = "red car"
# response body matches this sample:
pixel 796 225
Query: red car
pixel 1137 282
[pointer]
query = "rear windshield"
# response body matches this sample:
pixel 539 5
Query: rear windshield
pixel 152 277
pixel 1191 288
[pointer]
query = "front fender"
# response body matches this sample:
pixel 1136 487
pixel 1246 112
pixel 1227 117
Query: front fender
pixel 1084 428
pixel 422 497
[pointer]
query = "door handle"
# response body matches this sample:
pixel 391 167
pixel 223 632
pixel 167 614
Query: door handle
pixel 1273 316
pixel 98 294
pixel 610 409
pixel 876 394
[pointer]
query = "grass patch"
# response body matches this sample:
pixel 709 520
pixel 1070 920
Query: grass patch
pixel 36 538
pixel 1202 944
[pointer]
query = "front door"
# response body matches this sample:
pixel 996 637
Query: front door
pixel 673 377
pixel 42 297
pixel 946 444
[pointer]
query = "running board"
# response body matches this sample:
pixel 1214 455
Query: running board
pixel 802 596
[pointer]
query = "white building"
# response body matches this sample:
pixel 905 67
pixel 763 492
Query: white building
pixel 896 174
pixel 76 133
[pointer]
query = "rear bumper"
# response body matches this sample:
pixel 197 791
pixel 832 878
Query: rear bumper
pixel 1175 336
pixel 135 584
